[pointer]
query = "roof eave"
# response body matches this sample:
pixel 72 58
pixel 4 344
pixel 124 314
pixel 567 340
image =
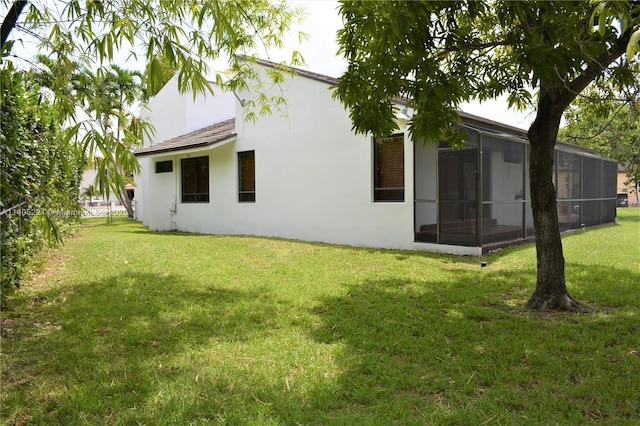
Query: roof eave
pixel 215 144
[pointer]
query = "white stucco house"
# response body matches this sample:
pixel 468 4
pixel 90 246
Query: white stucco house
pixel 309 177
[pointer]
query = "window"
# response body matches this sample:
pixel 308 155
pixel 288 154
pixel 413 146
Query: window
pixel 164 166
pixel 388 159
pixel 247 177
pixel 195 180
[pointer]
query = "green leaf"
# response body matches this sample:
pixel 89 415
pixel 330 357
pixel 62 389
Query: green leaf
pixel 633 46
pixel 602 18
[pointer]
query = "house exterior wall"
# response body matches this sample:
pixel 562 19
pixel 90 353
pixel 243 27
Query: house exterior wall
pixel 174 114
pixel 314 180
pixel 158 196
pixel 316 176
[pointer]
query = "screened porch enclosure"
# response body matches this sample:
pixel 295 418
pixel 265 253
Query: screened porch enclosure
pixel 479 196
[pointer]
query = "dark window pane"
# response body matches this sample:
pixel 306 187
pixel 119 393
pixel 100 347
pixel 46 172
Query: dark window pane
pixel 388 194
pixel 389 169
pixel 247 176
pixel 195 180
pixel 164 166
pixel 202 178
pixel 247 197
pixel 188 177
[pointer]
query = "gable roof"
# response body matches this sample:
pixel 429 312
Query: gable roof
pixel 225 130
pixel 302 73
pixel 466 118
pixel 206 136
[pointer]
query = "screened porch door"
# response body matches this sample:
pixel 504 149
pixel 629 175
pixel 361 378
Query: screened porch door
pixel 458 196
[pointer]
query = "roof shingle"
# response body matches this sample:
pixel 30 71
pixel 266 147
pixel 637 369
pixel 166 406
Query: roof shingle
pixel 204 137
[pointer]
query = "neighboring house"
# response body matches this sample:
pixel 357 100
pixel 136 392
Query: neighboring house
pixel 88 179
pixel 627 192
pixel 309 177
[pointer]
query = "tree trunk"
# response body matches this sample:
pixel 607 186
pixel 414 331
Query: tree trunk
pixel 123 197
pixel 551 291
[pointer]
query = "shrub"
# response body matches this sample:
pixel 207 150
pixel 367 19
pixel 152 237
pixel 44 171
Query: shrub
pixel 41 173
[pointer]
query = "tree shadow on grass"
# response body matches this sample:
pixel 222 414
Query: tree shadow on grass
pixel 157 349
pixel 433 354
pixel 112 347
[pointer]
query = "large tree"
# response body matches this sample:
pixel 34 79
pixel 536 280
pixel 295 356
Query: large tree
pixel 177 35
pixel 107 97
pixel 110 95
pixel 438 54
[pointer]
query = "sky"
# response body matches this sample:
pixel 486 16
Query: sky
pixel 321 55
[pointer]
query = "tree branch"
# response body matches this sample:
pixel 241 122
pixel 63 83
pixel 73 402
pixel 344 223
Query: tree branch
pixel 10 20
pixel 472 46
pixel 594 69
pixel 603 128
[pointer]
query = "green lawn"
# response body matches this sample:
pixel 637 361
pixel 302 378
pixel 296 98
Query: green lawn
pixel 126 326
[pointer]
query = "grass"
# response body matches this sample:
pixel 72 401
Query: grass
pixel 126 326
